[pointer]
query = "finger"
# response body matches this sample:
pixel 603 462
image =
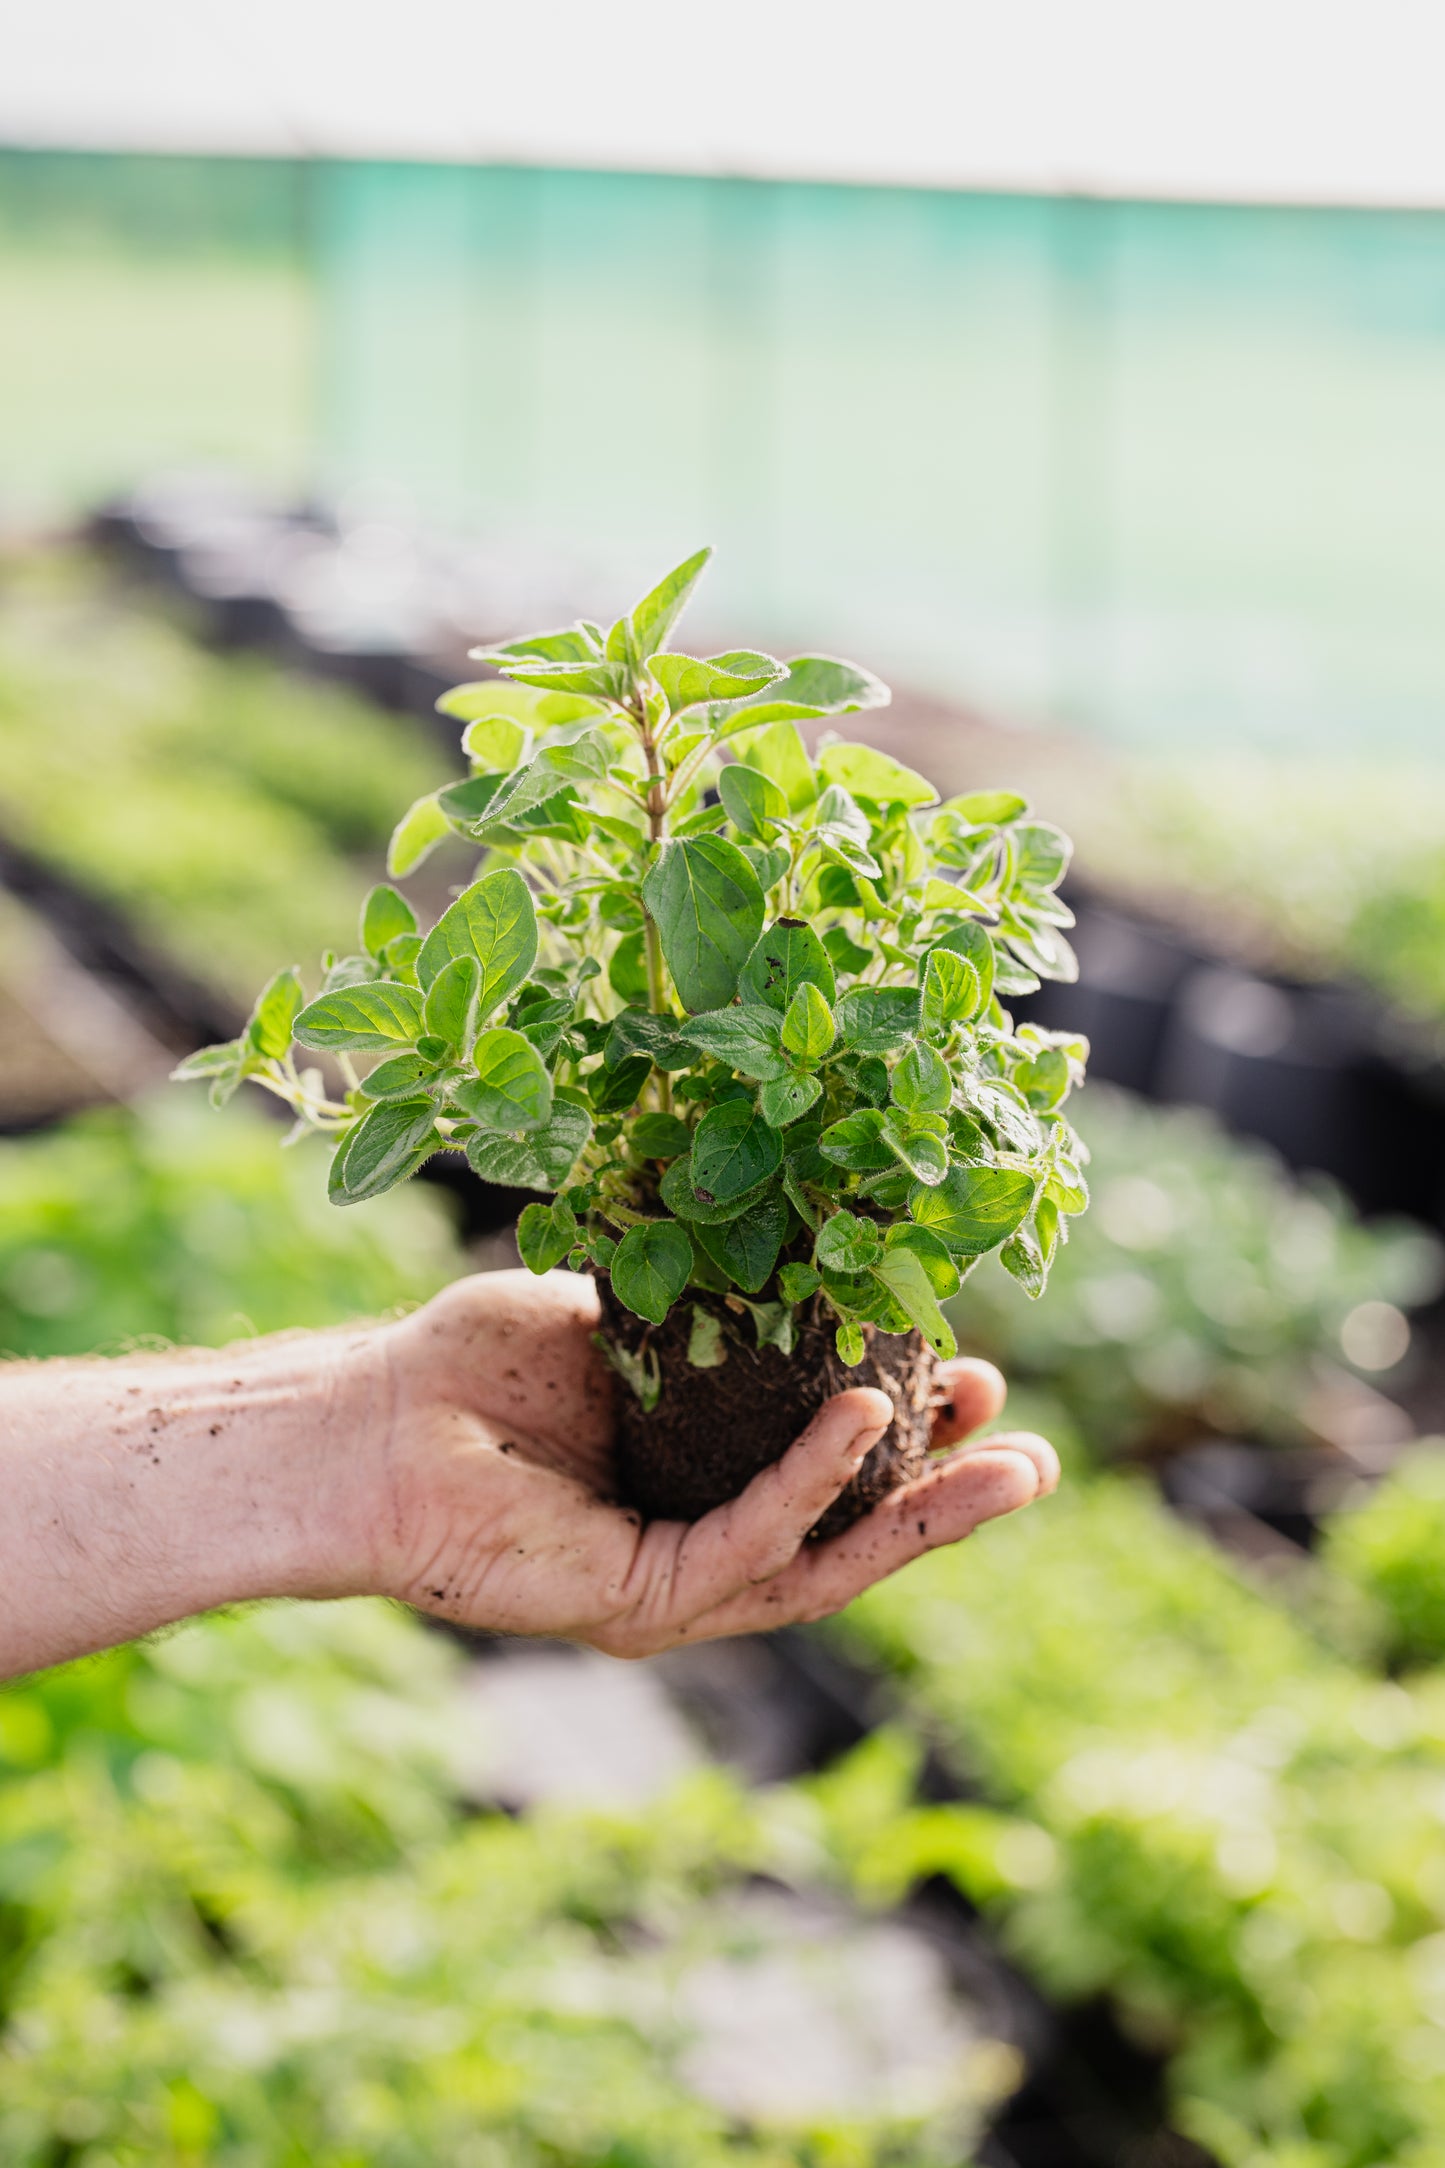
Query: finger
pixel 942 1507
pixel 755 1535
pixel 1038 1449
pixel 973 1393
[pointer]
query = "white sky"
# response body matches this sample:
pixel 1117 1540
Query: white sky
pixel 1334 100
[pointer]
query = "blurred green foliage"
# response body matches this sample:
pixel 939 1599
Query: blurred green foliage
pixel 1393 1549
pixel 243 1919
pixel 1199 1293
pixel 214 799
pixel 155 1221
pixel 1243 1830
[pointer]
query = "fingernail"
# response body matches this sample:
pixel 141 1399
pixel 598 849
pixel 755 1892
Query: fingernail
pixel 863 1445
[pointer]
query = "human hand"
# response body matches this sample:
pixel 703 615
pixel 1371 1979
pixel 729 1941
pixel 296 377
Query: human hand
pixel 495 1505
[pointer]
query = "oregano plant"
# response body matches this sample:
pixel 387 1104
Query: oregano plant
pixel 735 1010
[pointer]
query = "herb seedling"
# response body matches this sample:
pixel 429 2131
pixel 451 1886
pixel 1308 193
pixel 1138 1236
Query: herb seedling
pixel 735 1010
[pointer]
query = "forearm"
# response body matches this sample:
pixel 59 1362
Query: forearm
pixel 137 1491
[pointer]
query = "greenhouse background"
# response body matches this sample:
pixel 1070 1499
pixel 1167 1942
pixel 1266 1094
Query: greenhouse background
pixel 1097 401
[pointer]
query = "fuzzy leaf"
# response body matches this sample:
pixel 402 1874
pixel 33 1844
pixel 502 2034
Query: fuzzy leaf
pixel 748 1039
pixel 493 920
pixel 399 1078
pixel 752 801
pixel 787 1098
pixel 661 1038
pixel 657 613
pixel 847 1243
pixel 798 1282
pixel 746 1248
pixel 450 1009
pixel 543 1159
pixel 787 956
pixel 651 1268
pixel 987 808
pixel 849 1342
pixel 733 1150
pixel 932 1253
pixel 903 1274
pixel 708 906
pixel 271 1023
pixel 779 753
pixel 808 1028
pixel 973 1209
pixel 856 1142
pixel 877 1019
pixel 679 1193
pixel 660 1136
pixel 686 681
pixel 415 835
pixel 952 992
pixel 511 1089
pixel 362 1019
pixel 921 1083
pixel 545 1233
pixel 385 915
pixel 867 773
pixel 388 1144
pixel 706 1346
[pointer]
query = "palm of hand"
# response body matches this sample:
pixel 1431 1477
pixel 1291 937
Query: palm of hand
pixel 499 1508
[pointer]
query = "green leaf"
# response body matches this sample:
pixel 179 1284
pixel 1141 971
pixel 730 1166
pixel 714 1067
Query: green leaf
pixel 787 956
pixel 1042 854
pixel 207 1061
pixel 849 1343
pixel 921 1152
pixel 657 613
pixel 906 1280
pixel 569 643
pixel 493 920
pixel 786 1098
pixel 361 1019
pixel 388 1144
pixel 975 945
pixel 877 1019
pixel 579 757
pixel 952 992
pixel 746 1248
pixel 399 1078
pixel 1022 1258
pixel 932 1253
pixel 832 686
pixel 661 1038
pixel 808 1028
pixel 450 1009
pixel 987 808
pixel 1044 1081
pixel 415 835
pixel 659 1136
pixel 681 1197
pixel 495 742
pixel 867 773
pixel 847 1243
pixel 627 967
pixel 511 1089
pixel 543 1159
pixel 615 1090
pixel 384 916
pixel 921 1083
pixel 974 1208
pixel 686 681
pixel 733 1149
pixel 748 1039
pixel 545 1233
pixel 272 1021
pixel 706 1346
pixel 798 1282
pixel 752 800
pixel 773 1324
pixel 597 679
pixel 779 753
pixel 651 1268
pixel 708 907
pixel 856 1142
pixel 843 951
pixel 768 863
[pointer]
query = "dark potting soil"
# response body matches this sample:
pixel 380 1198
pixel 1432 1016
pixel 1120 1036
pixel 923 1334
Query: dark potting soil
pixel 713 1430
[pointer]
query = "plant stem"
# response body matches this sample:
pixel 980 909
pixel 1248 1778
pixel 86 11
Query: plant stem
pixel 656 830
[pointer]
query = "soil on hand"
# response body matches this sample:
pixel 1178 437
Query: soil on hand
pixel 713 1429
